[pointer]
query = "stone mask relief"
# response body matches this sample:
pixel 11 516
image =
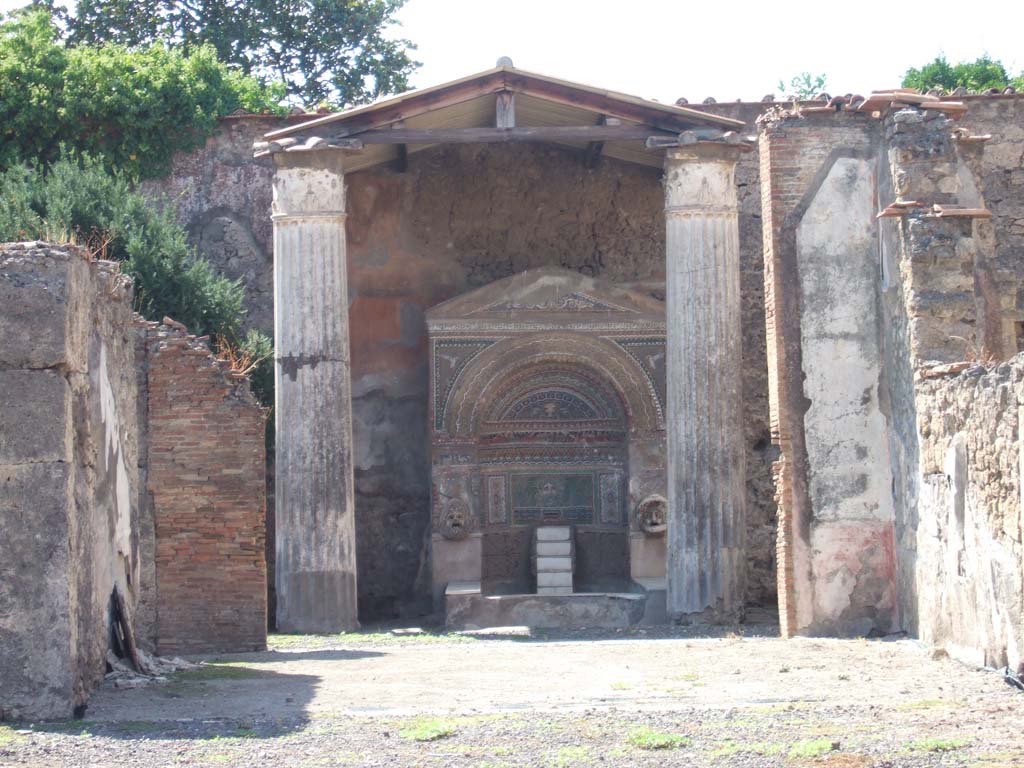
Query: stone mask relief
pixel 455 522
pixel 652 515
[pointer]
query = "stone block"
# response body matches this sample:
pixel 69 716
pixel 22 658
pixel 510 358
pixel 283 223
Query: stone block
pixel 554 564
pixel 35 293
pixel 37 678
pixel 35 418
pixel 455 561
pixel 554 579
pixel 554 548
pixel 554 533
pixel 554 590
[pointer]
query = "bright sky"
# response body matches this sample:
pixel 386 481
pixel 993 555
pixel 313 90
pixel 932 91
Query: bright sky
pixel 664 49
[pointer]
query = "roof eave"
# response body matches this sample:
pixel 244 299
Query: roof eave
pixel 509 78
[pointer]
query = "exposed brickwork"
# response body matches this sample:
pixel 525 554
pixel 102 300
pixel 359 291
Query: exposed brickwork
pixel 207 480
pixel 795 153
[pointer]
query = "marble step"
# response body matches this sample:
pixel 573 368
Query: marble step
pixel 554 590
pixel 554 564
pixel 554 548
pixel 554 579
pixel 554 533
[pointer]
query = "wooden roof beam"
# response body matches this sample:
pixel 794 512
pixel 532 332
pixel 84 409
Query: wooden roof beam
pixel 365 118
pixel 578 133
pixel 610 105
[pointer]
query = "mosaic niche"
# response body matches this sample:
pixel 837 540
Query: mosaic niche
pixel 543 386
pixel 553 498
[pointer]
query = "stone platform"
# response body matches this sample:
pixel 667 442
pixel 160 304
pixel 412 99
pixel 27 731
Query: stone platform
pixel 466 607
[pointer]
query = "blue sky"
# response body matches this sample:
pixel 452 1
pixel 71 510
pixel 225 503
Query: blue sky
pixel 661 49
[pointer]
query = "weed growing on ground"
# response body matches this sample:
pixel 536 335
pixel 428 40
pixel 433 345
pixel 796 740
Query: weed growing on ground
pixel 811 748
pixel 937 745
pixel 569 757
pixel 428 729
pixel 730 748
pixel 8 736
pixel 647 738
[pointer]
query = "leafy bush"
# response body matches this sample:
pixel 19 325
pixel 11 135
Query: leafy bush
pixel 134 108
pixel 78 200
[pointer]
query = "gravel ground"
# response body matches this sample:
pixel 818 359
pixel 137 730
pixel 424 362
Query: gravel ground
pixel 635 698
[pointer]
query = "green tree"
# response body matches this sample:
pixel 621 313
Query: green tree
pixel 976 76
pixel 134 108
pixel 335 51
pixel 803 86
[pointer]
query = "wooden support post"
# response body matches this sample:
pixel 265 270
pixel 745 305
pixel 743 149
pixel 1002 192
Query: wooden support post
pixel 595 148
pixel 402 160
pixel 505 110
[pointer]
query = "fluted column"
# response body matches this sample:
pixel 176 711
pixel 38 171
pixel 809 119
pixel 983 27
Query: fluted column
pixel 316 547
pixel 706 467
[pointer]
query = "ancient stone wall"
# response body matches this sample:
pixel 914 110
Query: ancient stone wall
pixel 949 299
pixel 1001 172
pixel 968 564
pixel 913 293
pixel 206 482
pixel 458 218
pixel 837 562
pixel 68 473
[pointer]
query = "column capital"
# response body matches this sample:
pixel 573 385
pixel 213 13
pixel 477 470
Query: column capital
pixel 700 178
pixel 308 185
pixel 706 152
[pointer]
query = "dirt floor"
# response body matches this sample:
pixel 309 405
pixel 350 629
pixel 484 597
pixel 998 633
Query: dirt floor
pixel 635 698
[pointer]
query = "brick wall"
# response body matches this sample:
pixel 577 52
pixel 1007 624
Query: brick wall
pixel 206 478
pixel 797 155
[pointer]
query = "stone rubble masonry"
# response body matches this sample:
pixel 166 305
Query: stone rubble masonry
pixel 1001 170
pixel 968 557
pixel 961 301
pixel 69 512
pixel 206 481
pixel 956 433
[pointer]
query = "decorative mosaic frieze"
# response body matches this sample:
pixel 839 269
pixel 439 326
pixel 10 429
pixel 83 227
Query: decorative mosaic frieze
pixel 451 356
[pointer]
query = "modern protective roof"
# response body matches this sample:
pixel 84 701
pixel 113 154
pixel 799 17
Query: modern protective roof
pixel 540 101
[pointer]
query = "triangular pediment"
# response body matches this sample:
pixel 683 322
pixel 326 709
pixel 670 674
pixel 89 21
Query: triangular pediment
pixel 535 107
pixel 550 293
